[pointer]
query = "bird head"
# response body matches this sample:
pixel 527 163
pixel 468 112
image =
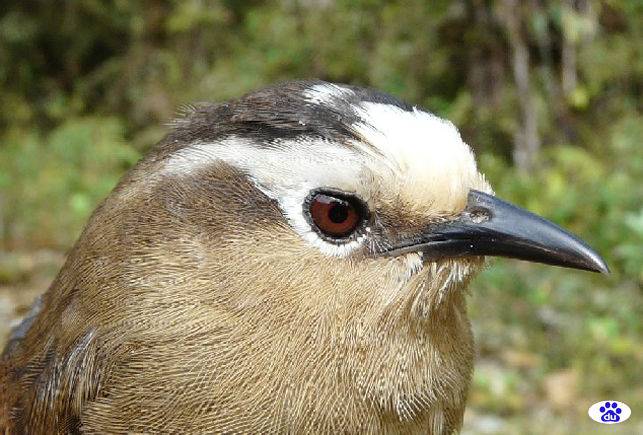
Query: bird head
pixel 326 197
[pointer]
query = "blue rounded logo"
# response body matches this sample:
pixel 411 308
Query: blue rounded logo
pixel 609 412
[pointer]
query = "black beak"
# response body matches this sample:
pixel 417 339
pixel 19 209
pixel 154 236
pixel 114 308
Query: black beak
pixel 490 226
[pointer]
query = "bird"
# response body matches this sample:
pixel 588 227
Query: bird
pixel 295 260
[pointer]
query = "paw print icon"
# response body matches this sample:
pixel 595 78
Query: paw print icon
pixel 610 415
pixel 609 412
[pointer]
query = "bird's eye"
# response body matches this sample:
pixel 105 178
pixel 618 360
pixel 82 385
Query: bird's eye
pixel 336 216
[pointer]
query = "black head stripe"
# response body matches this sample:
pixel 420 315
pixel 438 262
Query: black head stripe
pixel 284 111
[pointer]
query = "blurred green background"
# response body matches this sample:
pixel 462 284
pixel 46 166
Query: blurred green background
pixel 547 92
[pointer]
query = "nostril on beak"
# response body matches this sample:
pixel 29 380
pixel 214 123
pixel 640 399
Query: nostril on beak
pixel 480 215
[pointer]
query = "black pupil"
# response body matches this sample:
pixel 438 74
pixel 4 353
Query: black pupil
pixel 338 213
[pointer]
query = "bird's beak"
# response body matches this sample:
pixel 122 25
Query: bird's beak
pixel 490 226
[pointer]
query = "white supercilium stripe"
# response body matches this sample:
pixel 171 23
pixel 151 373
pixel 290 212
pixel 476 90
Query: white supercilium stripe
pixel 286 172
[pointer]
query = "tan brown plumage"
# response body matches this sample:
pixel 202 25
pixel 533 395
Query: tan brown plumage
pixel 193 303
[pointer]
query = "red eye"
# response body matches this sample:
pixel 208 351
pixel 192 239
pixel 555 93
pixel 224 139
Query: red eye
pixel 335 217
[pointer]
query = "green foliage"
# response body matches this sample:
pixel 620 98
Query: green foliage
pixel 50 184
pixel 585 322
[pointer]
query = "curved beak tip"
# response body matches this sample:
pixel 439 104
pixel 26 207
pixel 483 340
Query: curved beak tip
pixel 599 265
pixel 510 232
